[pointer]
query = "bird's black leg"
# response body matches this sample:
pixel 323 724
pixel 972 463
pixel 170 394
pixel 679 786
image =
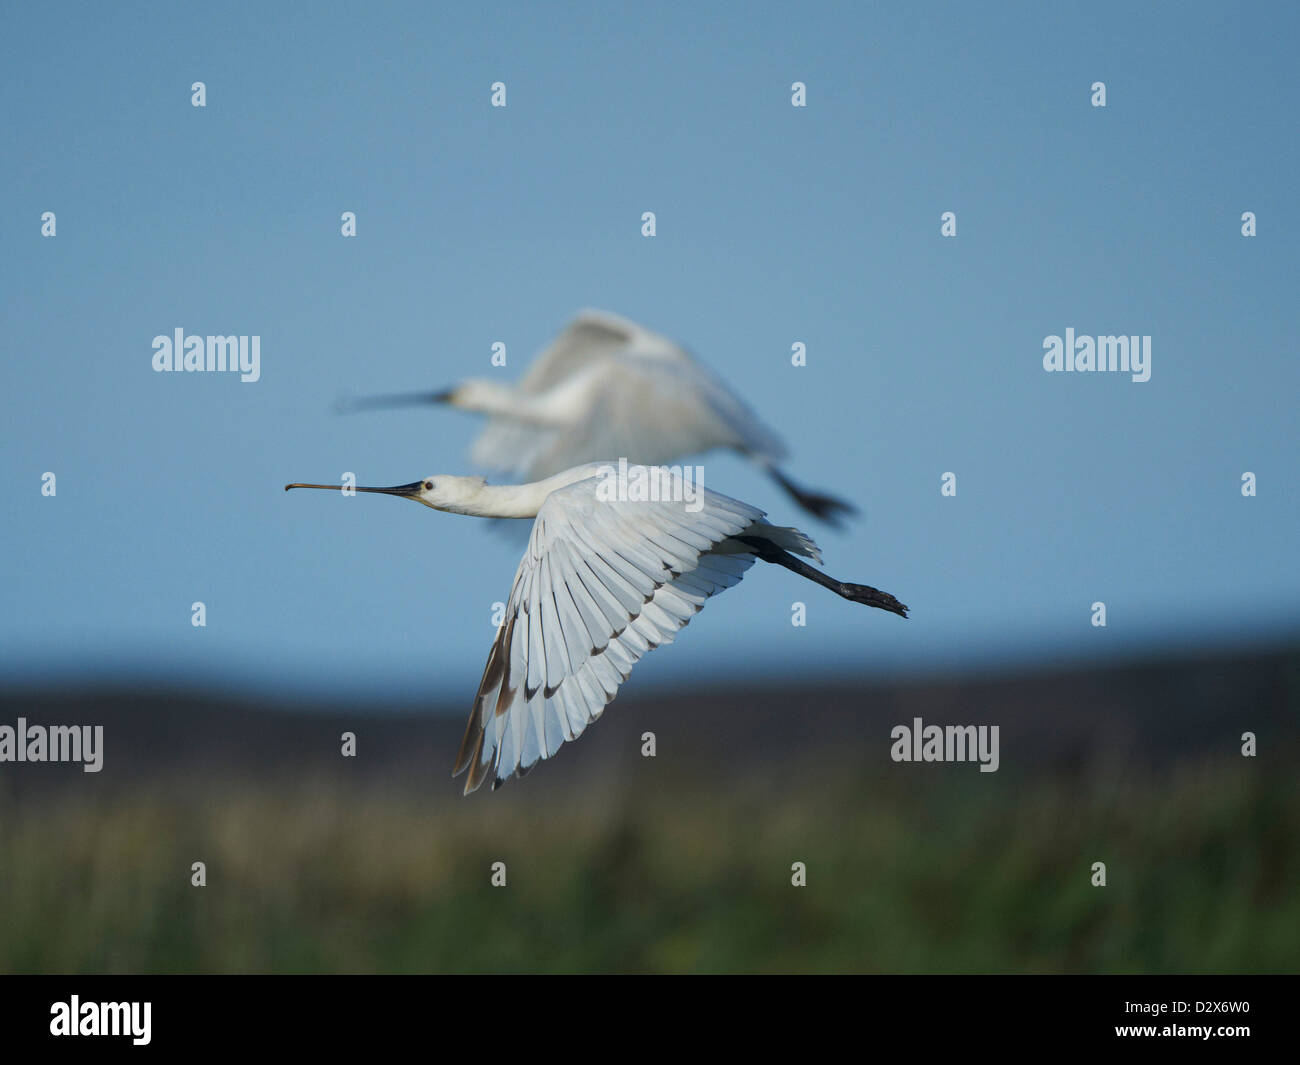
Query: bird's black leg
pixel 857 593
pixel 827 508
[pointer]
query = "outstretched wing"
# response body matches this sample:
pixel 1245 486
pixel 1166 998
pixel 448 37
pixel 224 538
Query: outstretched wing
pixel 589 346
pixel 644 397
pixel 600 584
pixel 653 413
pixel 590 336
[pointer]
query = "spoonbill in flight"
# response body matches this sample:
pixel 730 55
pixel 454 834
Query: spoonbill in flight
pixel 605 578
pixel 608 386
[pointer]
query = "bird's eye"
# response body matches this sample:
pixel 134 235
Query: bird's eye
pixel 428 486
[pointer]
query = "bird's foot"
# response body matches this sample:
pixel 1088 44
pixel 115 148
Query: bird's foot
pixel 865 594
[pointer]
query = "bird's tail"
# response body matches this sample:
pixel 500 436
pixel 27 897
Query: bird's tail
pixel 788 538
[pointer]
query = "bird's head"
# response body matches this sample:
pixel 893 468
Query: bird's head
pixel 441 492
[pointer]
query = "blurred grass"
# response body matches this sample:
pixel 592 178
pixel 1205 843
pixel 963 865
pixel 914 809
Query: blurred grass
pixel 960 872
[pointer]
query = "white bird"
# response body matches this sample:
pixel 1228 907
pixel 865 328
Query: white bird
pixel 608 386
pixel 605 578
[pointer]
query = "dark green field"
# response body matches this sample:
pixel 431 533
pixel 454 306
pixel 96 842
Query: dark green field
pixel 682 862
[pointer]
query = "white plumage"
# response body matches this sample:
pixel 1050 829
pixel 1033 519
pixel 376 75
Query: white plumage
pixel 603 580
pixel 600 584
pixel 609 386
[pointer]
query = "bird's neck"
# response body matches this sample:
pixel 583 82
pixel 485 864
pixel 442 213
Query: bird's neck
pixel 521 500
pixel 492 397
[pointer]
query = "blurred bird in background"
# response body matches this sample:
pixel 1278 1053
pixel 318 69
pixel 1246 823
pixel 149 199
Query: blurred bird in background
pixel 607 386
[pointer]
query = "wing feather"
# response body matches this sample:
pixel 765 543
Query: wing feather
pixel 642 396
pixel 599 585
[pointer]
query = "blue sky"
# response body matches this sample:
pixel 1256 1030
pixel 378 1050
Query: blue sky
pixel 775 224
